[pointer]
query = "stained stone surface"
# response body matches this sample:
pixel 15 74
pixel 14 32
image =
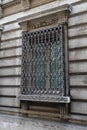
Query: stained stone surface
pixel 21 123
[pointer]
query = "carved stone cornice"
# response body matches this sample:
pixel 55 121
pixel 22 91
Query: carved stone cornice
pixel 65 8
pixel 48 17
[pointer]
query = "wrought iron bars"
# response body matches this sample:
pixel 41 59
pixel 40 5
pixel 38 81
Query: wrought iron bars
pixel 43 62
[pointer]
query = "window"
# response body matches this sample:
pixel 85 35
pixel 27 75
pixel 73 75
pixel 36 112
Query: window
pixel 43 65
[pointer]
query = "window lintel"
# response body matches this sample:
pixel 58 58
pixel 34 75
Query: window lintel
pixel 32 15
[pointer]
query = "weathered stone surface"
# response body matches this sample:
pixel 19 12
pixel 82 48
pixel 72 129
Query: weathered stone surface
pixel 0 11
pixel 19 123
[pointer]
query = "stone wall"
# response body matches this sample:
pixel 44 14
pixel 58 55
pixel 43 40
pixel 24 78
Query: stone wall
pixel 10 55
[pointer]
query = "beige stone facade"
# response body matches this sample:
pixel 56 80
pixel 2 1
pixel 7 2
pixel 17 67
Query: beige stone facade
pixel 27 15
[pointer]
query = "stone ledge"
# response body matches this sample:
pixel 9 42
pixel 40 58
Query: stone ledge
pixel 45 98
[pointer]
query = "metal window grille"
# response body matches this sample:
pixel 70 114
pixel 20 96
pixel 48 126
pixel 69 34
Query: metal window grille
pixel 43 64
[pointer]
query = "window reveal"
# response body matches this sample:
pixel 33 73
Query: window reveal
pixel 43 64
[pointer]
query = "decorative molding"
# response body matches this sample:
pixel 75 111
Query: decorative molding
pixel 45 18
pixel 45 23
pixel 50 20
pixel 63 8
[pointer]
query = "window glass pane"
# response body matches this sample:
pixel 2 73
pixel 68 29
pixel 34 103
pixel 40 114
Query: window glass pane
pixel 55 66
pixel 39 67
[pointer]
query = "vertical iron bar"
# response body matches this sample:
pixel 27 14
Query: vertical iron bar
pixel 36 58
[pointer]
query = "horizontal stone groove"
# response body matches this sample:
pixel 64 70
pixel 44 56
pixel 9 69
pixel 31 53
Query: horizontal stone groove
pixel 75 20
pixel 14 66
pixel 12 26
pixel 9 110
pixel 78 93
pixel 76 25
pixel 79 106
pixel 11 35
pixel 12 30
pixel 78 54
pixel 9 76
pixel 10 67
pixel 10 86
pixel 77 86
pixel 10 48
pixel 77 14
pixel 79 36
pixel 78 113
pixel 79 2
pixel 11 44
pixel 11 22
pixel 79 100
pixel 11 52
pixel 9 91
pixel 77 48
pixel 78 60
pixel 8 106
pixel 9 57
pixel 8 96
pixel 10 72
pixel 78 73
pixel 78 43
pixel 78 67
pixel 14 61
pixel 78 9
pixel 13 81
pixel 78 31
pixel 9 101
pixel 11 39
pixel 78 80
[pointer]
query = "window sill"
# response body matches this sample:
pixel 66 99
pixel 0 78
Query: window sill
pixel 45 98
